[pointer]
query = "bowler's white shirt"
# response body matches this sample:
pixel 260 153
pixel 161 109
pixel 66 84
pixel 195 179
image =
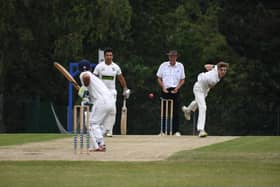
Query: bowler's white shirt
pixel 108 73
pixel 208 79
pixel 171 75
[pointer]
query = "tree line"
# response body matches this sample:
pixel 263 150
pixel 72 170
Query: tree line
pixel 35 33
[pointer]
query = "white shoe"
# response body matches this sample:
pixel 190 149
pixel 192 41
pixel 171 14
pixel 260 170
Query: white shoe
pixel 177 134
pixel 187 112
pixel 202 134
pixel 161 134
pixel 108 134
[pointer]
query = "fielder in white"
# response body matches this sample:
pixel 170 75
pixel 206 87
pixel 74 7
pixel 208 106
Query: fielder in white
pixel 108 72
pixel 104 105
pixel 205 81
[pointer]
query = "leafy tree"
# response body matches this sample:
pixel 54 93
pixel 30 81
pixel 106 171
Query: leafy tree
pixel 35 33
pixel 250 30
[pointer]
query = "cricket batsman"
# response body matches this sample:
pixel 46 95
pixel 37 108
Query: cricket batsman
pixel 104 104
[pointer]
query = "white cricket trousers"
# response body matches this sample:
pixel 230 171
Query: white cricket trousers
pixel 100 110
pixel 200 94
pixel 110 119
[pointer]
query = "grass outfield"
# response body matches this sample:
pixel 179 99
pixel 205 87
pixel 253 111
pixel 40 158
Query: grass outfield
pixel 17 139
pixel 247 161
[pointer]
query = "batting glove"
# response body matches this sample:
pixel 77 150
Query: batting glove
pixel 126 93
pixel 83 92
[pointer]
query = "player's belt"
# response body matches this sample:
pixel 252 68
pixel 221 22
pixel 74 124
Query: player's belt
pixel 105 77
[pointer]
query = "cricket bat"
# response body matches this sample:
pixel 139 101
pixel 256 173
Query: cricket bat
pixel 124 118
pixel 66 74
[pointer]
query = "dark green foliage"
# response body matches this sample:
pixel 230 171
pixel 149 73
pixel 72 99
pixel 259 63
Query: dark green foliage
pixel 250 28
pixel 34 33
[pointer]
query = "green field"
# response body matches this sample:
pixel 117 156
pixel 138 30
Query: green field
pixel 247 161
pixel 16 139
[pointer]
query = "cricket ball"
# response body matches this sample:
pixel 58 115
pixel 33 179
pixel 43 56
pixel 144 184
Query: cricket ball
pixel 151 95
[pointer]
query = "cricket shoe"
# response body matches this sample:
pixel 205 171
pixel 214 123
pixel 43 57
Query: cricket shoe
pixel 202 134
pixel 187 112
pixel 102 146
pixel 161 134
pixel 177 134
pixel 100 149
pixel 108 134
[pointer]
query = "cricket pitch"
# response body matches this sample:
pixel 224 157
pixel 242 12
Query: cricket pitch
pixel 119 148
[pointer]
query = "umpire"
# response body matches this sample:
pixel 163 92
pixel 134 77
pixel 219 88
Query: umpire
pixel 171 77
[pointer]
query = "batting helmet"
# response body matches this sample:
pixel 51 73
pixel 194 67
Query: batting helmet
pixel 84 65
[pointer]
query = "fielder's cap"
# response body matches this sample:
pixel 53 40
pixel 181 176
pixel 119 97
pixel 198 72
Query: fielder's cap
pixel 84 65
pixel 172 52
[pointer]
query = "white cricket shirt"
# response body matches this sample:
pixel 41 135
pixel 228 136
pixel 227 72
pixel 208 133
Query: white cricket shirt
pixel 97 89
pixel 171 75
pixel 108 73
pixel 208 79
